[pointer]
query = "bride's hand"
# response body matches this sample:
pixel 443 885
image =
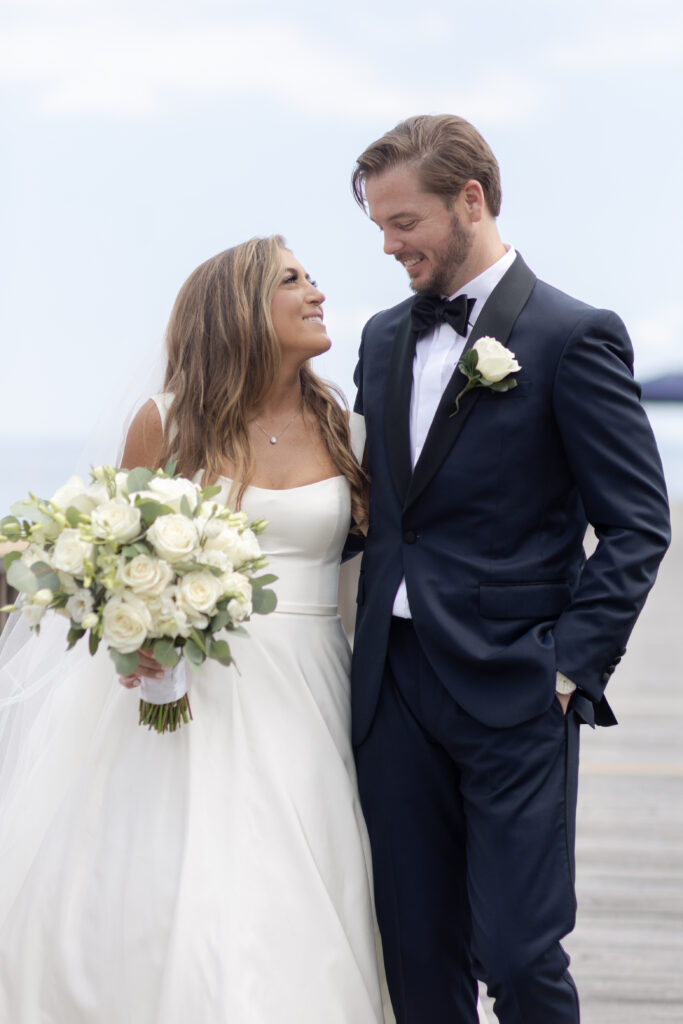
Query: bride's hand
pixel 147 666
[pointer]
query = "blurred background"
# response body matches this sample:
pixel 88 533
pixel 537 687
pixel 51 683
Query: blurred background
pixel 142 137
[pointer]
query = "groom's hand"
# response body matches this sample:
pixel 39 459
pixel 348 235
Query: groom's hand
pixel 564 699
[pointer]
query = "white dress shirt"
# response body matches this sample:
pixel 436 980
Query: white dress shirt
pixel 437 354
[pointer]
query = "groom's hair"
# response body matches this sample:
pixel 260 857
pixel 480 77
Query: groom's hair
pixel 446 151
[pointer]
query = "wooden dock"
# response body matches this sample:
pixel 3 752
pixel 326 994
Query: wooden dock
pixel 627 949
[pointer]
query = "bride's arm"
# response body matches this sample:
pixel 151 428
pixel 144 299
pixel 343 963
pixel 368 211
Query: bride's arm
pixel 142 448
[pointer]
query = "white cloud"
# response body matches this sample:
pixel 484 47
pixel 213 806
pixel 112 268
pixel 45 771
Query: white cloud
pixel 649 42
pixel 104 65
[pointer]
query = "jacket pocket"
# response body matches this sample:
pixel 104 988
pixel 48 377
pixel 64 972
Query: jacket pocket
pixel 523 600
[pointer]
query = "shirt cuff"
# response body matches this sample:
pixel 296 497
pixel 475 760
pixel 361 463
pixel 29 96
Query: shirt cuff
pixel 563 684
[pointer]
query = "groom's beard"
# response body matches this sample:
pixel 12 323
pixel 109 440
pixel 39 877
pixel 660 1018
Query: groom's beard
pixel 445 263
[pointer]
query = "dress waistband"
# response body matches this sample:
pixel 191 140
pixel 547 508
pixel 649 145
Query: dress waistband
pixel 293 608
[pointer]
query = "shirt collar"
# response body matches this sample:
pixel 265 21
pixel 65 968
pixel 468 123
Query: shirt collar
pixel 480 287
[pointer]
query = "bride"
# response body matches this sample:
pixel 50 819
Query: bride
pixel 220 873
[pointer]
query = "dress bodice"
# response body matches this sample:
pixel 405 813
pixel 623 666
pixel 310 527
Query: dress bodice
pixel 307 527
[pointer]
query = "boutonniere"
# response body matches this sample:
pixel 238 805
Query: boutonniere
pixel 488 364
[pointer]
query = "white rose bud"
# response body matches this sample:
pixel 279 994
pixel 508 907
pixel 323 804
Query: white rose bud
pixel 239 610
pixel 71 552
pixel 32 613
pixel 42 597
pixel 174 537
pixel 248 548
pixel 116 520
pixel 126 621
pixel 89 621
pixel 145 575
pixel 199 592
pixel 494 361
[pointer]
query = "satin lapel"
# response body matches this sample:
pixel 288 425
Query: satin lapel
pixel 397 406
pixel 496 320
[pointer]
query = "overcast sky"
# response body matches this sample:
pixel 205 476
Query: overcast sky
pixel 141 137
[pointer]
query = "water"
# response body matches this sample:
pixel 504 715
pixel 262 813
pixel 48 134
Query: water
pixel 43 464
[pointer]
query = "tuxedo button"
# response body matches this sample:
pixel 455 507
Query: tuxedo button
pixel 410 536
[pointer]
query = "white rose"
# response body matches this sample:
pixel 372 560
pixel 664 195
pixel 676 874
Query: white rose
pixel 126 621
pixel 73 493
pixel 171 491
pixel 198 592
pixel 71 552
pixel 79 605
pixel 32 613
pixel 116 520
pixel 145 575
pixel 174 537
pixel 97 493
pixel 236 584
pixel 494 361
pixel 239 610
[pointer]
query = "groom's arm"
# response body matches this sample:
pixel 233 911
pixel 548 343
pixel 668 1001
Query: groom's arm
pixel 614 459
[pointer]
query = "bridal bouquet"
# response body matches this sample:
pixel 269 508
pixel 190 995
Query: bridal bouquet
pixel 140 559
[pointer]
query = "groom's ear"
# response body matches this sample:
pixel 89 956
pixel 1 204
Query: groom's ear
pixel 471 201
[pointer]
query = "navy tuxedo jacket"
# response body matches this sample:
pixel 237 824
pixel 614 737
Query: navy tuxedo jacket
pixel 488 529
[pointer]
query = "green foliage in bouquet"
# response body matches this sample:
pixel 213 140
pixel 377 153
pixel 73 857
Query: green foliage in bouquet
pixel 139 560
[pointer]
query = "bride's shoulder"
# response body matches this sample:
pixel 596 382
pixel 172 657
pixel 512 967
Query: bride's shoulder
pixel 145 435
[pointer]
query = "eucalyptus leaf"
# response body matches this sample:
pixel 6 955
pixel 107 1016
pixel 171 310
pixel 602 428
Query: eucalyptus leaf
pixel 72 516
pixel 151 510
pixel 262 581
pixel 93 642
pixel 264 601
pixel 185 507
pixel 170 467
pixel 10 557
pixel 22 578
pixel 210 492
pixel 138 479
pixel 220 620
pixel 46 576
pixel 221 652
pixel 29 510
pixel 192 652
pixel 125 663
pixel 198 639
pixel 11 527
pixel 165 652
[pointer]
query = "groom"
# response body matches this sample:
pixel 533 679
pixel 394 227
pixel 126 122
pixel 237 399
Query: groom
pixel 483 636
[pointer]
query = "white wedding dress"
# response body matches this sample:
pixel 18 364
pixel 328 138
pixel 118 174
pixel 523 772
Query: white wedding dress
pixel 217 874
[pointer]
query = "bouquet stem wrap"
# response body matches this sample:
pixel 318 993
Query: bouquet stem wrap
pixel 164 704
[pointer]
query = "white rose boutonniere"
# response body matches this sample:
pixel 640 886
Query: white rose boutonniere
pixel 488 364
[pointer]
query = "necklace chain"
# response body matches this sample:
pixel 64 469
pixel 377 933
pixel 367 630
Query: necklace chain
pixel 274 438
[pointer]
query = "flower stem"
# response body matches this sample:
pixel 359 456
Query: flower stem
pixel 165 717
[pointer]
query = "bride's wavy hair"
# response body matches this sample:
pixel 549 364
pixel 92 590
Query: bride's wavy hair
pixel 224 357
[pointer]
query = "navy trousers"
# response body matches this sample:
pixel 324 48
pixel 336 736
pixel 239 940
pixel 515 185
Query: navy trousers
pixel 472 833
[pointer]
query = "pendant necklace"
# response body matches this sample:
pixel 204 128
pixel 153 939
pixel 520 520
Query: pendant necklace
pixel 274 438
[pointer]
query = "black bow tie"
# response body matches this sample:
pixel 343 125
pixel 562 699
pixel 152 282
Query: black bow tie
pixel 428 310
